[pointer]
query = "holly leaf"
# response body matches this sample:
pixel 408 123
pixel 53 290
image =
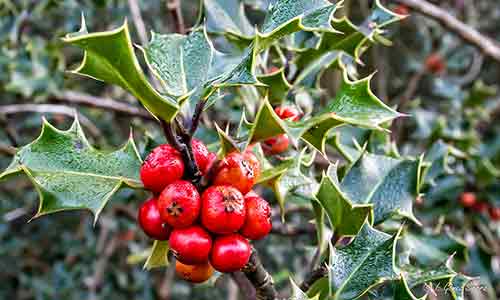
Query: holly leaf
pixel 346 38
pixel 298 294
pixel 349 141
pixel 293 181
pixel 109 57
pixel 403 292
pixel 277 86
pixel 345 217
pixel 286 17
pixel 389 184
pixel 354 105
pixel 227 17
pixel 457 286
pixel 441 275
pixel 429 249
pixel 365 263
pixel 70 174
pixel 158 256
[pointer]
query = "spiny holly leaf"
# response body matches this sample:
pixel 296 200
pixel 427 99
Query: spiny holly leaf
pixel 285 17
pixel 349 141
pixel 158 255
pixel 345 217
pixel 345 38
pixel 354 104
pixel 438 158
pixel 441 275
pixel 181 63
pixel 293 180
pixel 228 17
pixel 188 65
pixel 277 86
pixel 457 286
pixel 365 263
pixel 429 249
pixel 69 173
pixel 298 294
pixel 109 57
pixel 390 184
pixel 403 292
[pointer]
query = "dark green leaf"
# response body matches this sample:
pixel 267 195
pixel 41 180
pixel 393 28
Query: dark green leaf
pixel 345 217
pixel 69 173
pixel 365 263
pixel 109 57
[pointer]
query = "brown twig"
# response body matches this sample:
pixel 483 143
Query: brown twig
pixel 183 145
pixel 246 288
pixel 174 7
pixel 104 103
pixel 53 109
pixel 135 10
pixel 313 276
pixel 9 131
pixel 6 149
pixel 488 46
pixel 286 230
pixel 260 278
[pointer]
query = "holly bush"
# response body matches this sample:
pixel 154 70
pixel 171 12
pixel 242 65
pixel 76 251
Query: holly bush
pixel 377 185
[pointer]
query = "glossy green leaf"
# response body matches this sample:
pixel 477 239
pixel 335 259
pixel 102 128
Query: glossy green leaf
pixel 158 256
pixel 390 184
pixel 292 180
pixel 345 217
pixel 457 286
pixel 267 124
pixel 354 104
pixel 109 56
pixel 403 292
pixel 277 86
pixel 366 262
pixel 345 38
pixel 69 173
pixel 285 17
pixel 227 17
pixel 440 275
pixel 298 294
pixel 429 249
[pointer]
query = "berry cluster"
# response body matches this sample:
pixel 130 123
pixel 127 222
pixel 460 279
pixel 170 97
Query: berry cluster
pixel 469 201
pixel 280 143
pixel 210 227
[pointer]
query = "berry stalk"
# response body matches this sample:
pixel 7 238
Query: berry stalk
pixel 260 278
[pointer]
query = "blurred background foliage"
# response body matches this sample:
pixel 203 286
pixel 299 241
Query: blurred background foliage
pixel 454 117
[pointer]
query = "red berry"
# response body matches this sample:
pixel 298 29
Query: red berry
pixel 258 217
pixel 201 155
pixel 230 253
pixel 151 222
pixel 223 209
pixel 468 199
pixel 240 170
pixel 277 144
pixel 480 207
pixel 179 204
pixel 162 166
pixel 287 112
pixel 401 10
pixel 194 273
pixel 494 213
pixel 273 69
pixel 191 245
pixel 435 64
